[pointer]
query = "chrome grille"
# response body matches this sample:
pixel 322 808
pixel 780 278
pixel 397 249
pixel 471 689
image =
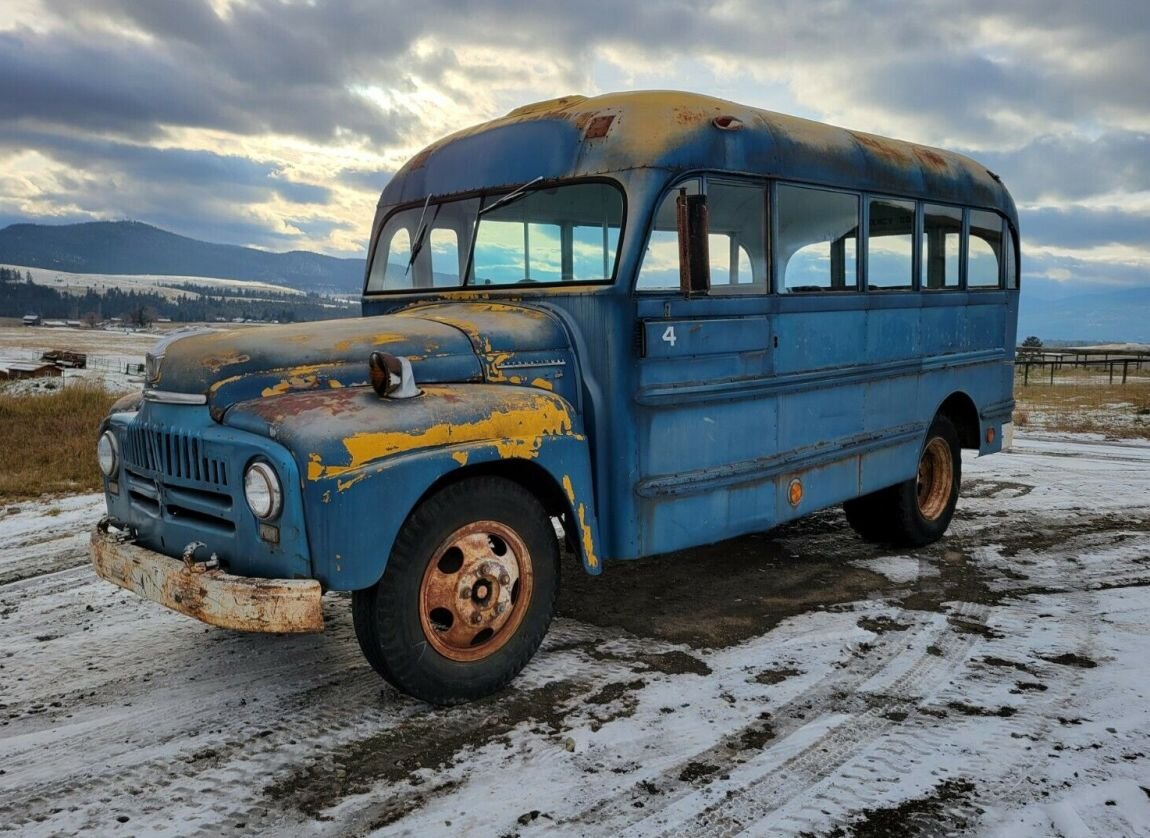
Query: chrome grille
pixel 173 454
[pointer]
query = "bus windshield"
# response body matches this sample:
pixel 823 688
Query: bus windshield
pixel 551 235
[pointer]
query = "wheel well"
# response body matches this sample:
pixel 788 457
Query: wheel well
pixel 531 476
pixel 960 410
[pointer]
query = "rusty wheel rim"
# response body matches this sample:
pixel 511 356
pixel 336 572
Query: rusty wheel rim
pixel 475 591
pixel 935 476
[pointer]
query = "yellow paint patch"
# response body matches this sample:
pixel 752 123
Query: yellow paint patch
pixel 588 544
pixel 296 378
pixel 217 362
pixel 516 432
pixel 585 529
pixel 334 384
pixel 544 383
pixel 460 457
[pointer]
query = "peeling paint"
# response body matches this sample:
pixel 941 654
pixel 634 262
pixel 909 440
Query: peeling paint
pixel 544 383
pixel 460 457
pixel 584 527
pixel 588 544
pixel 217 362
pixel 516 431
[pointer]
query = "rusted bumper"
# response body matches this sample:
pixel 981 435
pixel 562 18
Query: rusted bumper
pixel 210 595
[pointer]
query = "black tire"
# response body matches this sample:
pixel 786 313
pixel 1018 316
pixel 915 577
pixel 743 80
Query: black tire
pixel 866 517
pixel 417 649
pixel 918 511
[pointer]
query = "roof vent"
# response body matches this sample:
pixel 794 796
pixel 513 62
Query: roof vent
pixel 726 122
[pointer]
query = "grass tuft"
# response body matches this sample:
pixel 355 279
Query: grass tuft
pixel 48 441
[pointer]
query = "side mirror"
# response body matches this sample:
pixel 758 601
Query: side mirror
pixel 694 258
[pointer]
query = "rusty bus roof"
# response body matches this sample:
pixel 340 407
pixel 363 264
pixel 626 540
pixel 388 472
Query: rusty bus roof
pixel 577 136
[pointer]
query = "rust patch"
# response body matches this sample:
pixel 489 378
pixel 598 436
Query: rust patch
pixel 891 151
pixel 217 362
pixel 598 127
pixel 931 159
pixel 473 597
pixel 689 116
pixel 211 596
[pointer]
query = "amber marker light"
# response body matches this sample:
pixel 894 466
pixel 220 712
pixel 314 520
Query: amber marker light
pixel 795 492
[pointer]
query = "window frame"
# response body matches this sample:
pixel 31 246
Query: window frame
pixel 484 196
pixel 704 179
pixel 915 244
pixel 1000 259
pixel 776 283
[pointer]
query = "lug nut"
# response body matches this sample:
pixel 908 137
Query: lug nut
pixel 476 618
pixel 504 578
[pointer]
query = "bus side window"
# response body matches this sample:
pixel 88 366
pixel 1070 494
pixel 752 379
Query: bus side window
pixel 660 268
pixel 941 236
pixel 890 245
pixel 817 239
pixel 736 219
pixel 1009 259
pixel 983 250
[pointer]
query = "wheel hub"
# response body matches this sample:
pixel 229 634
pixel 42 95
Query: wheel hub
pixel 475 590
pixel 935 478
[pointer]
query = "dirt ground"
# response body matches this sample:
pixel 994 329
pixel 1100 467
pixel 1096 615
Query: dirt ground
pixel 796 682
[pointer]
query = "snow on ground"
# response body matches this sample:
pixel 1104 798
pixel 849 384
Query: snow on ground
pixel 171 287
pixel 795 682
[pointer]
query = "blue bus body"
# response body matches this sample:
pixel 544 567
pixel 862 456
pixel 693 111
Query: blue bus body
pixel 648 419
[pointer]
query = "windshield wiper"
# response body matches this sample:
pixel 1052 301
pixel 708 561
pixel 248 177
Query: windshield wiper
pixel 417 242
pixel 511 196
pixel 514 195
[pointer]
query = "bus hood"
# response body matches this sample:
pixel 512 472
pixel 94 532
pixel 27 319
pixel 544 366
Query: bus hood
pixel 445 342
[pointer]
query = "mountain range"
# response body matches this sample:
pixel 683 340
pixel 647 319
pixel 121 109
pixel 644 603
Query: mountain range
pixel 131 247
pixel 1084 312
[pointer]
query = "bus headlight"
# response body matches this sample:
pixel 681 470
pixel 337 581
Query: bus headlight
pixel 262 491
pixel 108 453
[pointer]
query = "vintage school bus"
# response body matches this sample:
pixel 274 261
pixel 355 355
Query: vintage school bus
pixel 656 319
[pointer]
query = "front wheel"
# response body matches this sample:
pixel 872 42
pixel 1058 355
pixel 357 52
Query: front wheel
pixel 918 511
pixel 467 596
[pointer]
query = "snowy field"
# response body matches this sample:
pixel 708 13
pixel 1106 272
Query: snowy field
pixel 170 287
pixel 795 682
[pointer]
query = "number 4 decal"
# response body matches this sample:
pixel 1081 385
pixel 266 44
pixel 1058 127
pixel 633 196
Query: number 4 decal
pixel 669 335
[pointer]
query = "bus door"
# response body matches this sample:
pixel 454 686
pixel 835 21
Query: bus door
pixel 704 419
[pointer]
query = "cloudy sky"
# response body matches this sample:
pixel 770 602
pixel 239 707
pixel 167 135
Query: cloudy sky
pixel 276 123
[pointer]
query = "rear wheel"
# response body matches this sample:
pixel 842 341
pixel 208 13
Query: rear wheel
pixel 918 511
pixel 467 596
pixel 866 517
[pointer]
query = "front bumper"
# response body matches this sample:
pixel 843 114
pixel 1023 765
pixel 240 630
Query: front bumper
pixel 210 595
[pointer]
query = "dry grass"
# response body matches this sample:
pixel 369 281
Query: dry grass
pixel 48 441
pixel 1083 404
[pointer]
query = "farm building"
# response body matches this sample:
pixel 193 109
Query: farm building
pixel 17 370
